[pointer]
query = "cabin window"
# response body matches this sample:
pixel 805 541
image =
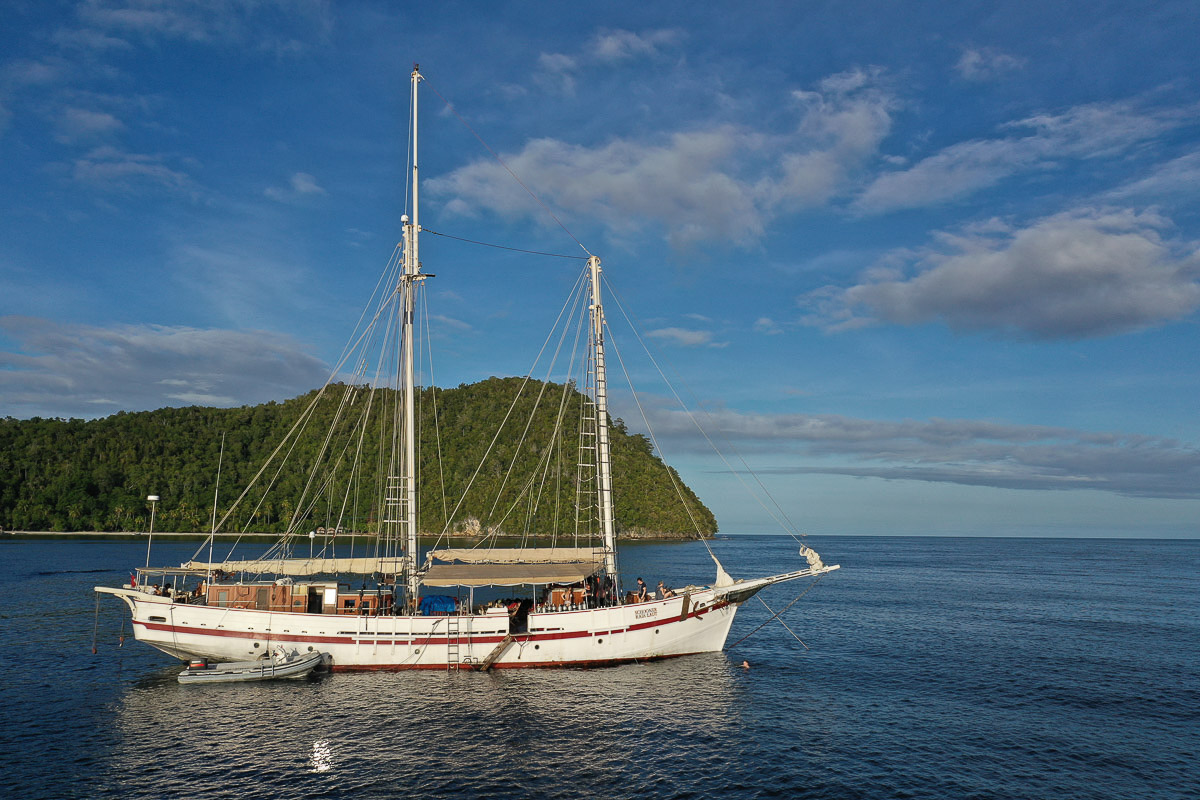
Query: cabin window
pixel 158 619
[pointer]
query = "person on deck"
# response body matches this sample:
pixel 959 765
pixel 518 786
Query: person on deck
pixel 643 594
pixel 664 592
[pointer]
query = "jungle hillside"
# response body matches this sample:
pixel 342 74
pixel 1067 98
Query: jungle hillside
pixel 95 475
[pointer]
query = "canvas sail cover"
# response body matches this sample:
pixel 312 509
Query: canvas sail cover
pixel 512 566
pixel 507 574
pixel 519 555
pixel 304 566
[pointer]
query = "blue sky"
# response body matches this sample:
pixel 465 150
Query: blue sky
pixel 930 267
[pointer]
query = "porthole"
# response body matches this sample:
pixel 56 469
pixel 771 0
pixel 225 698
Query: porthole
pixel 599 641
pixel 537 647
pixel 656 631
pixel 310 648
pixel 256 644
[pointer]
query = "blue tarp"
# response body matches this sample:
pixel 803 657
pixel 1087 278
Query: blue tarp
pixel 437 605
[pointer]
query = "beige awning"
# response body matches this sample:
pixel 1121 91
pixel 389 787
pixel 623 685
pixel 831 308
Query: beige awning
pixel 521 555
pixel 304 566
pixel 508 574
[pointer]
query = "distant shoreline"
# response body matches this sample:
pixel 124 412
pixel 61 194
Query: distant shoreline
pixel 183 536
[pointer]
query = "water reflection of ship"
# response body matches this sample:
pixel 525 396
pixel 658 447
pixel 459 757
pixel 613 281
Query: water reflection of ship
pixel 333 727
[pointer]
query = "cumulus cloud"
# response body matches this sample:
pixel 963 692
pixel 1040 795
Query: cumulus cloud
pixel 1087 273
pixel 718 183
pixel 64 369
pixel 680 183
pixel 1040 141
pixel 969 452
pixel 986 63
pixel 299 186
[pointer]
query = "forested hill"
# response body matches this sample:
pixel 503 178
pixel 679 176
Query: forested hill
pixel 71 475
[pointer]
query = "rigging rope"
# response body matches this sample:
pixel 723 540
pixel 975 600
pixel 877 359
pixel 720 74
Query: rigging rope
pixel 503 247
pixel 500 161
pixel 777 613
pixel 782 519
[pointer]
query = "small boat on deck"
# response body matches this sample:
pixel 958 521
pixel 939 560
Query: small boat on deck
pixel 279 666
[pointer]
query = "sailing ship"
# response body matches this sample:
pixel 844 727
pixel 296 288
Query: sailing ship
pixel 570 609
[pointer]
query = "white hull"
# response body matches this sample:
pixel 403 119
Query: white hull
pixel 594 637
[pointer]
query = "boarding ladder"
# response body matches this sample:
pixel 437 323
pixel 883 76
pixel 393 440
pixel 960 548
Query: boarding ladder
pixel 453 637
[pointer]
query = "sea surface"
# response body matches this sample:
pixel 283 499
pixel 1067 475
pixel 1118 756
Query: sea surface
pixel 931 668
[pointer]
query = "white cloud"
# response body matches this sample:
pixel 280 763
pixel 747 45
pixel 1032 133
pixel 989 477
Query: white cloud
pixel 68 369
pixel 111 168
pixel 89 39
pixel 74 124
pixel 277 27
pixel 986 63
pixel 718 183
pixel 27 72
pixel 1040 141
pixel 841 128
pixel 968 452
pixel 768 326
pixel 299 186
pixel 557 72
pixel 1179 177
pixel 621 45
pixel 1087 273
pixel 682 184
pixel 683 337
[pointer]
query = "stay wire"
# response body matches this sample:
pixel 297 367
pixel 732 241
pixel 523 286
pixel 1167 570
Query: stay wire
pixel 502 247
pixel 777 613
pixel 507 169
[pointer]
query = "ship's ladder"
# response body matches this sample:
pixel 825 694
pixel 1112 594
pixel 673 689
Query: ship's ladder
pixel 453 637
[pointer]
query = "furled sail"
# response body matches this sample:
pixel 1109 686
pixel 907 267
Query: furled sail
pixel 511 566
pixel 303 566
pixel 519 555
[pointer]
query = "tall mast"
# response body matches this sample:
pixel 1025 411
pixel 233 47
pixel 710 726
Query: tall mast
pixel 603 460
pixel 412 269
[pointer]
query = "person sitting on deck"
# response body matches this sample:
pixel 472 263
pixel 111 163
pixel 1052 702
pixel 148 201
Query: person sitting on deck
pixel 643 594
pixel 664 592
